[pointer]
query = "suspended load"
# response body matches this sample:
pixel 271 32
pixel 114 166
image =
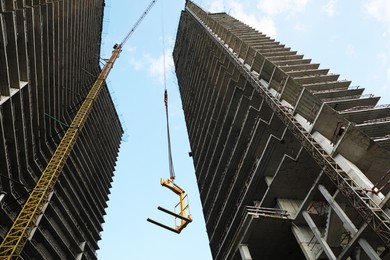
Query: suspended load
pixel 182 209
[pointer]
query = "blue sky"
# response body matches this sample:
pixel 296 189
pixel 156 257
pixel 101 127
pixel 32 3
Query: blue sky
pixel 351 37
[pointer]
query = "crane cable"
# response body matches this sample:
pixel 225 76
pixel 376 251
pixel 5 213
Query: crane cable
pixel 182 208
pixel 137 23
pixel 171 168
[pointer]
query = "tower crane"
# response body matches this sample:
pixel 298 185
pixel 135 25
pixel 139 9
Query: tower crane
pixel 30 215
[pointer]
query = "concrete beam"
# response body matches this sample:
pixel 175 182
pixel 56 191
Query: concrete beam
pixel 371 253
pixel 338 210
pixel 329 253
pixel 348 225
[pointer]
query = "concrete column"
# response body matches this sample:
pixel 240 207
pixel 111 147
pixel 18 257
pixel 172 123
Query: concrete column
pixel 82 246
pixel 371 253
pixel 2 196
pixel 329 253
pixel 347 223
pixel 338 210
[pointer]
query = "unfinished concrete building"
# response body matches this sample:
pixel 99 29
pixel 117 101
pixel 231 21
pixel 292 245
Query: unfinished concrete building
pixel 49 59
pixel 288 158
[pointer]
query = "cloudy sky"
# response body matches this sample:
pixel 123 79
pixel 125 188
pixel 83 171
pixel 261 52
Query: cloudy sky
pixel 350 37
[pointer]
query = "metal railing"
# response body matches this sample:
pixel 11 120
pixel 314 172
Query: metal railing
pixel 267 212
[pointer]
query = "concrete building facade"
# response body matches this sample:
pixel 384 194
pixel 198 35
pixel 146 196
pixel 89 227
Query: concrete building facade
pixel 288 158
pixel 49 59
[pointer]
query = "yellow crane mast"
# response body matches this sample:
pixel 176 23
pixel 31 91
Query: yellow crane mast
pixel 28 218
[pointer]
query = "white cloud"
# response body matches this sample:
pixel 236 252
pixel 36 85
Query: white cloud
pixel 129 48
pixel 265 24
pixel 156 65
pixel 236 9
pixel 216 6
pixel 380 10
pixel 330 8
pixel 275 7
pixel 136 64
